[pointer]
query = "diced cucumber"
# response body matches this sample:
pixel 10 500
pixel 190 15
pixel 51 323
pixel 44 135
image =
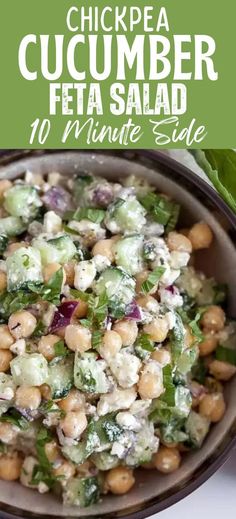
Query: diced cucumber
pixel 7 388
pixel 100 434
pixel 29 370
pixel 60 249
pixel 105 460
pixel 23 266
pixel 81 492
pixel 60 376
pixel 11 226
pixel 76 453
pixel 186 360
pixel 22 200
pixel 144 446
pixel 125 215
pixel 89 374
pixel 129 254
pixel 183 401
pixel 118 286
pixel 197 427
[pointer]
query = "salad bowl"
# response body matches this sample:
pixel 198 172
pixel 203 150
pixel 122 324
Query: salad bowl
pixel 152 492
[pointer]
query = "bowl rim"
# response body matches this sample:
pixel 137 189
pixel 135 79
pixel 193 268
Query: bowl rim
pixel 220 456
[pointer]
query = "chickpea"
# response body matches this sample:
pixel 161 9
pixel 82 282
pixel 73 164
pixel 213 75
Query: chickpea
pixel 178 242
pixel 22 324
pixel 3 281
pixel 8 432
pixel 69 269
pixel 140 278
pixel 78 338
pixel 222 370
pixel 111 344
pixel 128 331
pixel 157 329
pixel 74 401
pixel 51 269
pixel 213 319
pixel 66 471
pixel 212 407
pixel 45 391
pixel 201 236
pixel 5 359
pixel 81 309
pixel 149 303
pixel 10 466
pixel 52 451
pixel 6 339
pixel 28 397
pixel 162 356
pixel 46 346
pixel 150 383
pixel 4 186
pixel 119 480
pixel 105 248
pixel 74 424
pixel 167 459
pixel 208 345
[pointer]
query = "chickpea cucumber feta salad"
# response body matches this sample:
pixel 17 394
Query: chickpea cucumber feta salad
pixel 113 348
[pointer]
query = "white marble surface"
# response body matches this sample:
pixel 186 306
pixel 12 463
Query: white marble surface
pixel 215 499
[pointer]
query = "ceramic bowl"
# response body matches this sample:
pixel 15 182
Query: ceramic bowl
pixel 153 492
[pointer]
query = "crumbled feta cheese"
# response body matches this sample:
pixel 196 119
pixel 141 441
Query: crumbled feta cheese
pixel 7 393
pixel 19 347
pixel 35 228
pixel 85 273
pixel 140 408
pixel 122 446
pixel 101 262
pixel 125 368
pixel 49 314
pixel 169 276
pixel 52 223
pixel 43 488
pixel 88 231
pixel 27 471
pixel 171 298
pixel 171 318
pixel 118 399
pixel 179 259
pixel 128 421
pixel 153 229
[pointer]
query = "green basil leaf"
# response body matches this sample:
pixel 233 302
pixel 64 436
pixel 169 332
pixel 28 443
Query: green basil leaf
pixel 220 167
pixel 87 213
pixel 14 417
pixel 152 280
pixel 3 243
pixel 162 210
pixel 144 342
pixel 60 349
pixel 169 395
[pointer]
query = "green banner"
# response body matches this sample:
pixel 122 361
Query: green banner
pixel 109 74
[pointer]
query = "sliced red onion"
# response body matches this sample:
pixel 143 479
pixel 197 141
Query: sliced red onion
pixel 57 199
pixel 133 312
pixel 102 195
pixel 171 288
pixel 62 315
